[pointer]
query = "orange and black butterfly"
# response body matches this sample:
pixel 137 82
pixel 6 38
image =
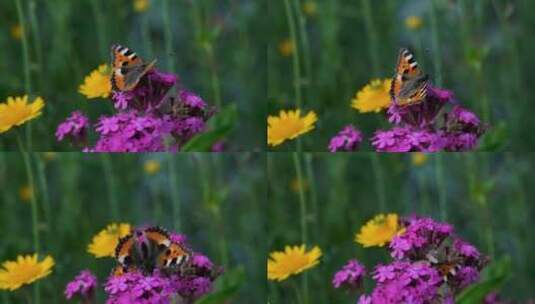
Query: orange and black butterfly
pixel 150 248
pixel 409 85
pixel 127 68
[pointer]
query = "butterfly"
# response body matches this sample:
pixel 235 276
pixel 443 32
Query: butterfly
pixel 150 248
pixel 128 68
pixel 409 84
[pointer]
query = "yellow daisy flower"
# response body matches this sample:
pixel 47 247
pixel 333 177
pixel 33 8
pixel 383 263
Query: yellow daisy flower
pixel 151 167
pixel 379 230
pixel 418 159
pixel 293 260
pixel 141 5
pixel 25 270
pixel 310 8
pixel 289 125
pixel 413 22
pixel 97 84
pixel 25 193
pixel 104 243
pixel 286 47
pixel 16 32
pixel 373 97
pixel 16 111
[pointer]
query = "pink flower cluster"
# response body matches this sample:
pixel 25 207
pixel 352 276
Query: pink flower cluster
pixel 429 126
pixel 156 116
pixel 430 265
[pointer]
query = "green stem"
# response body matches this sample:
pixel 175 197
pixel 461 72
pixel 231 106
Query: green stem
pixel 436 46
pixel 379 181
pixel 26 65
pixel 216 84
pixel 305 44
pixel 36 39
pixel 311 178
pixel 100 27
pixel 44 190
pixel 303 211
pixel 168 36
pixel 441 187
pixel 35 220
pixel 173 189
pixel 296 59
pixel 111 183
pixel 373 44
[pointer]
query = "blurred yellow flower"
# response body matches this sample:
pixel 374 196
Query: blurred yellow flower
pixel 413 22
pixel 418 158
pixel 104 243
pixel 374 97
pixel 295 185
pixel 310 8
pixel 379 230
pixel 16 32
pixel 141 5
pixel 49 156
pixel 286 47
pixel 97 84
pixel 25 193
pixel 16 111
pixel 25 270
pixel 293 260
pixel 151 166
pixel 289 125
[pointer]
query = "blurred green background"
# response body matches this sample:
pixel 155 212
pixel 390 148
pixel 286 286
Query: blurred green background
pixel 218 201
pixel 215 46
pixel 480 49
pixel 485 196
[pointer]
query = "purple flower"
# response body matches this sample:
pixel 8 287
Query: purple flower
pixel 418 127
pixel 465 249
pixel 467 276
pixel 178 238
pixel 75 126
pixel 350 276
pixel 192 100
pixel 420 235
pixel 83 286
pixel 202 262
pixel 346 140
pixel 219 146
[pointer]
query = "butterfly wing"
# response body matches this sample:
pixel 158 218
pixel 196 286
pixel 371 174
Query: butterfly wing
pixel 124 250
pixel 409 85
pixel 128 68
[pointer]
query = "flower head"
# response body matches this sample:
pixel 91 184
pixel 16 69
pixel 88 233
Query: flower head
pixel 26 193
pixel 75 127
pixel 97 84
pixel 419 159
pixel 346 140
pixel 350 276
pixel 16 31
pixel 151 166
pixel 83 286
pixel 286 47
pixel 104 243
pixel 293 260
pixel 413 22
pixel 16 111
pixel 141 5
pixel 374 97
pixel 25 270
pixel 289 125
pixel 379 231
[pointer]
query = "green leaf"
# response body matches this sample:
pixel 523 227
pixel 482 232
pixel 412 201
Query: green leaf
pixel 495 138
pixel 494 277
pixel 227 286
pixel 220 125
